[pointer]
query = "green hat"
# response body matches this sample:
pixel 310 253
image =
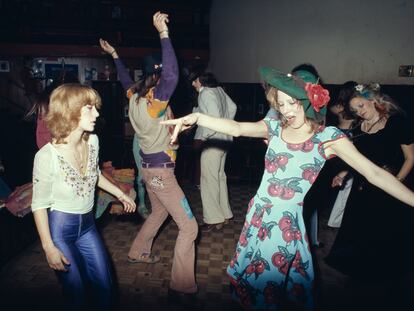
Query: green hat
pixel 295 86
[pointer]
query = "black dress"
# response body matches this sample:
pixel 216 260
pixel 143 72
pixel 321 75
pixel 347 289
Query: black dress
pixel 376 229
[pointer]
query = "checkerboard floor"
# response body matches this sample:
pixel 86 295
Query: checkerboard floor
pixel 26 282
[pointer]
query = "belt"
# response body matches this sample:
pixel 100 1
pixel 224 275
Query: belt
pixel 158 165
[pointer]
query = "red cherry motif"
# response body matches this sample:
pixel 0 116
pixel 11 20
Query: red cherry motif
pixel 294 147
pixel 257 220
pixel 288 193
pixel 285 223
pixel 250 269
pixel 307 146
pixel 243 240
pixel 274 190
pixel 313 177
pixel 297 260
pixel 271 167
pixel 284 269
pixel 282 160
pixel 297 235
pixel 279 260
pixel 288 235
pixel 262 234
pixel 307 173
pixel 251 202
pixel 260 267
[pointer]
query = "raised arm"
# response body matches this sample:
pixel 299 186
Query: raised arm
pixel 377 176
pixel 123 74
pixel 226 126
pixel 169 74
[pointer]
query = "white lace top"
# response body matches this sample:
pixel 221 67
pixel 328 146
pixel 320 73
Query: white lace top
pixel 59 186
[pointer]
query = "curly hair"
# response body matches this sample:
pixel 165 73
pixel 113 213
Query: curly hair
pixel 65 105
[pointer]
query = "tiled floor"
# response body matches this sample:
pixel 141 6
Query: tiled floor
pixel 26 282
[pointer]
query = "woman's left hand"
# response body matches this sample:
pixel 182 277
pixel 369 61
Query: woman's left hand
pixel 129 204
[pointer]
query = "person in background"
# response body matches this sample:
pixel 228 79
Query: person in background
pixel 272 266
pixel 346 122
pixel 213 101
pixel 148 105
pixel 65 175
pixel 41 107
pixel 374 223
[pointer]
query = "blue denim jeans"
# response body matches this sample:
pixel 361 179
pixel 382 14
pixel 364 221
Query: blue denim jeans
pixel 89 275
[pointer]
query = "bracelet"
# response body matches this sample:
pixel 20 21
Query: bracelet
pixel 114 51
pixel 163 31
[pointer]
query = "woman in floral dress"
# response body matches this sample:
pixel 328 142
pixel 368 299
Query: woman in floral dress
pixel 272 266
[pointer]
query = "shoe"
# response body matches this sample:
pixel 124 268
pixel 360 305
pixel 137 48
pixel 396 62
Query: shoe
pixel 211 227
pixel 188 301
pixel 145 258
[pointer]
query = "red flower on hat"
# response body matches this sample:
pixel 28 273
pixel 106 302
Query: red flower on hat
pixel 318 96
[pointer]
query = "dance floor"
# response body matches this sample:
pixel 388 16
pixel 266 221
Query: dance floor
pixel 26 282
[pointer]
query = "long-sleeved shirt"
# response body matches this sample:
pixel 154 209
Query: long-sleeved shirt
pixel 216 103
pixel 153 142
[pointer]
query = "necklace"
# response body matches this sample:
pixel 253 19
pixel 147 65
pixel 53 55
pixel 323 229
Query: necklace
pixel 80 158
pixel 367 130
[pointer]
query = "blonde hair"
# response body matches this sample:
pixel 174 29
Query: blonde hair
pixel 65 105
pixel 271 96
pixel 383 103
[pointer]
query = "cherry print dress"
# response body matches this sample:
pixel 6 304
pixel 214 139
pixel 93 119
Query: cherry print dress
pixel 272 262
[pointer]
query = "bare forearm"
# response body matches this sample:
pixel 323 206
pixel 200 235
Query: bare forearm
pixel 390 184
pixel 231 127
pixel 106 185
pixel 405 169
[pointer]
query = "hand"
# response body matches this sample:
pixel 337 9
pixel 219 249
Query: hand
pixel 160 21
pixel 56 259
pixel 338 180
pixel 181 125
pixel 107 47
pixel 127 202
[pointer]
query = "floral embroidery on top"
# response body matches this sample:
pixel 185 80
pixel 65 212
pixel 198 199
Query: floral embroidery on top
pixel 82 185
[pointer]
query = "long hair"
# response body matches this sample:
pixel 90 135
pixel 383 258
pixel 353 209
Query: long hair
pixel 143 86
pixel 65 105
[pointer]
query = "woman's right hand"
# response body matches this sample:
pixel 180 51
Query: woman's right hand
pixel 160 21
pixel 56 259
pixel 338 180
pixel 107 47
pixel 181 124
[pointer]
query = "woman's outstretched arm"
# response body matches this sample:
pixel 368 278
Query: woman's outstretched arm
pixel 377 176
pixel 225 126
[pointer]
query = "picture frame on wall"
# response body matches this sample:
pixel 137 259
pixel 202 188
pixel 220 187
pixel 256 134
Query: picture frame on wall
pixel 54 71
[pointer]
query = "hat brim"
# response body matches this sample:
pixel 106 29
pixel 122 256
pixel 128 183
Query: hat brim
pixel 293 86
